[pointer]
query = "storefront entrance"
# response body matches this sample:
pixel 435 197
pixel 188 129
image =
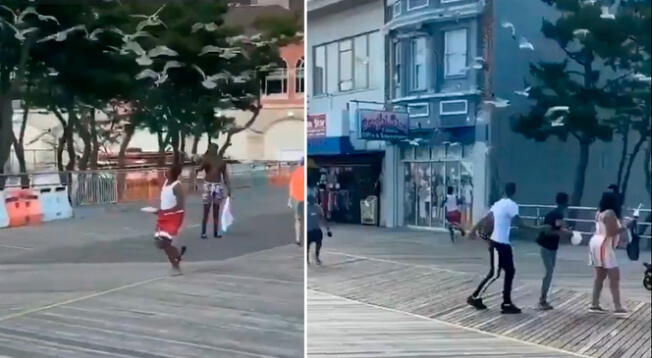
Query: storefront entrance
pixel 425 185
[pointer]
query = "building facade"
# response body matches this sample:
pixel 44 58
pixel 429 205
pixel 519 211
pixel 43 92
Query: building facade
pixel 347 75
pixel 436 73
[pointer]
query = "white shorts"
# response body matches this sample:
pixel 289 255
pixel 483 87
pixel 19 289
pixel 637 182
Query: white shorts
pixel 602 253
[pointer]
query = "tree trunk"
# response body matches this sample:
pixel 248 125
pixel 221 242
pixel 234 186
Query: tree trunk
pixel 580 173
pixel 182 145
pixel 95 145
pixel 630 163
pixel 124 145
pixel 20 155
pixel 82 126
pixel 69 134
pixel 6 130
pixel 646 167
pixel 162 143
pixel 623 155
pixel 195 144
pixel 60 148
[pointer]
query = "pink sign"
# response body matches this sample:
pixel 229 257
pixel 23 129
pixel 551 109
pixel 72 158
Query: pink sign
pixel 316 126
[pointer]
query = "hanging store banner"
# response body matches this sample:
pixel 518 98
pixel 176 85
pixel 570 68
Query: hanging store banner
pixel 383 125
pixel 316 126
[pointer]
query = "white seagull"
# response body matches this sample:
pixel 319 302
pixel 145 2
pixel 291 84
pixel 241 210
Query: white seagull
pixel 63 35
pixel 641 77
pixel 525 92
pixel 582 33
pixel 498 102
pixel 30 10
pixel 150 20
pixel 607 14
pixel 556 109
pixel 558 122
pixel 159 77
pixel 20 34
pixel 524 44
pixel 210 82
pixel 510 26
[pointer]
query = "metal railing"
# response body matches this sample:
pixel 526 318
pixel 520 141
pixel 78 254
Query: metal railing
pixel 582 218
pixel 110 186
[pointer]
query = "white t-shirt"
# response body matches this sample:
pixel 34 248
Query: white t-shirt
pixel 504 210
pixel 451 203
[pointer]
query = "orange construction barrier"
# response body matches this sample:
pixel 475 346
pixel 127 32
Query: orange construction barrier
pixel 23 208
pixel 298 184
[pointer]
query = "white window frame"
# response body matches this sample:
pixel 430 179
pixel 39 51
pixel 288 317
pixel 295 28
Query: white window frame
pixel 282 74
pixel 396 8
pixel 340 52
pixel 448 1
pixel 413 65
pixel 324 80
pixel 441 107
pixel 397 67
pixel 300 76
pixel 366 56
pixel 417 7
pixel 446 54
pixel 420 104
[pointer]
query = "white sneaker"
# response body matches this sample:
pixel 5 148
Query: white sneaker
pixel 176 272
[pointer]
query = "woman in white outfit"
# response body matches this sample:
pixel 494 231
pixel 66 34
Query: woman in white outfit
pixel 602 252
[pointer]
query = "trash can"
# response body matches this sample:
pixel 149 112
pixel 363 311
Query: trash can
pixel 369 210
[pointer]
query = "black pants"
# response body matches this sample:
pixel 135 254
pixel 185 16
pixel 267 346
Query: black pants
pixel 315 236
pixel 500 259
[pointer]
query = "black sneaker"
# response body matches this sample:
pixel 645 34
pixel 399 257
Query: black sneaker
pixel 509 308
pixel 544 306
pixel 476 302
pixel 318 262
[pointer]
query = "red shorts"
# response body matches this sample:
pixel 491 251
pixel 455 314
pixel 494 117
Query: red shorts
pixel 169 224
pixel 454 216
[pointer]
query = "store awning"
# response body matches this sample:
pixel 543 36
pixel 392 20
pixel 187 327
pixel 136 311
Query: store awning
pixel 330 146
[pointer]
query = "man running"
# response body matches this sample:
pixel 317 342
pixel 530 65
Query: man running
pixel 453 213
pixel 315 222
pixel 170 218
pixel 549 242
pixel 503 213
pixel 215 181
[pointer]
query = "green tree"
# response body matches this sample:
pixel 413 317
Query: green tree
pixel 571 98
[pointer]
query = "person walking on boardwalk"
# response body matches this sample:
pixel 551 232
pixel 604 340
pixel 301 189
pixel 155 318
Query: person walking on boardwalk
pixel 503 213
pixel 215 182
pixel 548 241
pixel 453 213
pixel 602 254
pixel 316 221
pixel 170 218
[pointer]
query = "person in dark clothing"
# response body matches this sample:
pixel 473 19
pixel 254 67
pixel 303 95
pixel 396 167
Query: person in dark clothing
pixel 315 222
pixel 548 240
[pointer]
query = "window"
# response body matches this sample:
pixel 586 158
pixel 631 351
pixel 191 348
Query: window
pixel 346 65
pixel 455 43
pixel 396 8
pixel 418 110
pixel 453 107
pixel 300 83
pixel 319 71
pixel 397 68
pixel 361 64
pixel 416 4
pixel 419 63
pixel 276 83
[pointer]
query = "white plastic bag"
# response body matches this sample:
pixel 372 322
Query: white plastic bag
pixel 227 217
pixel 576 239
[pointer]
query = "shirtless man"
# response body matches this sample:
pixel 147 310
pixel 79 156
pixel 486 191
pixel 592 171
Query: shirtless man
pixel 215 183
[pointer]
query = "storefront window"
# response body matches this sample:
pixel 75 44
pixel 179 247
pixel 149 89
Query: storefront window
pixel 341 188
pixel 423 152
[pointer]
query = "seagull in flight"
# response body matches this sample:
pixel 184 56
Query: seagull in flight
pixel 524 44
pixel 413 142
pixel 641 77
pixel 159 77
pixel 559 120
pixel 581 33
pixel 63 35
pixel 525 92
pixel 210 82
pixel 510 26
pixel 20 34
pixel 150 20
pixel 498 102
pixel 30 10
pixel 607 14
pixel 209 27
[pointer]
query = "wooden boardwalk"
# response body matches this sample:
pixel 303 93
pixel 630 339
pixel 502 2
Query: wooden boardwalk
pixel 441 295
pixel 342 328
pixel 246 307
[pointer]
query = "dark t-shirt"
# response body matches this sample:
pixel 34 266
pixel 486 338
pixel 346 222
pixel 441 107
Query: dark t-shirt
pixel 546 239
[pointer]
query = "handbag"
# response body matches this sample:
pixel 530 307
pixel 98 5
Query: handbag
pixel 633 247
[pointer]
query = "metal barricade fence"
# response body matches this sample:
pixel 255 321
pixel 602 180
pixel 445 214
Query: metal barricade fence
pixel 111 186
pixel 582 218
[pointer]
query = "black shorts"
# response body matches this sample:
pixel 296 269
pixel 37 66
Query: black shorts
pixel 315 235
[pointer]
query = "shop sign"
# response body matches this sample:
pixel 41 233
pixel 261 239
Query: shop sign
pixel 383 125
pixel 316 126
